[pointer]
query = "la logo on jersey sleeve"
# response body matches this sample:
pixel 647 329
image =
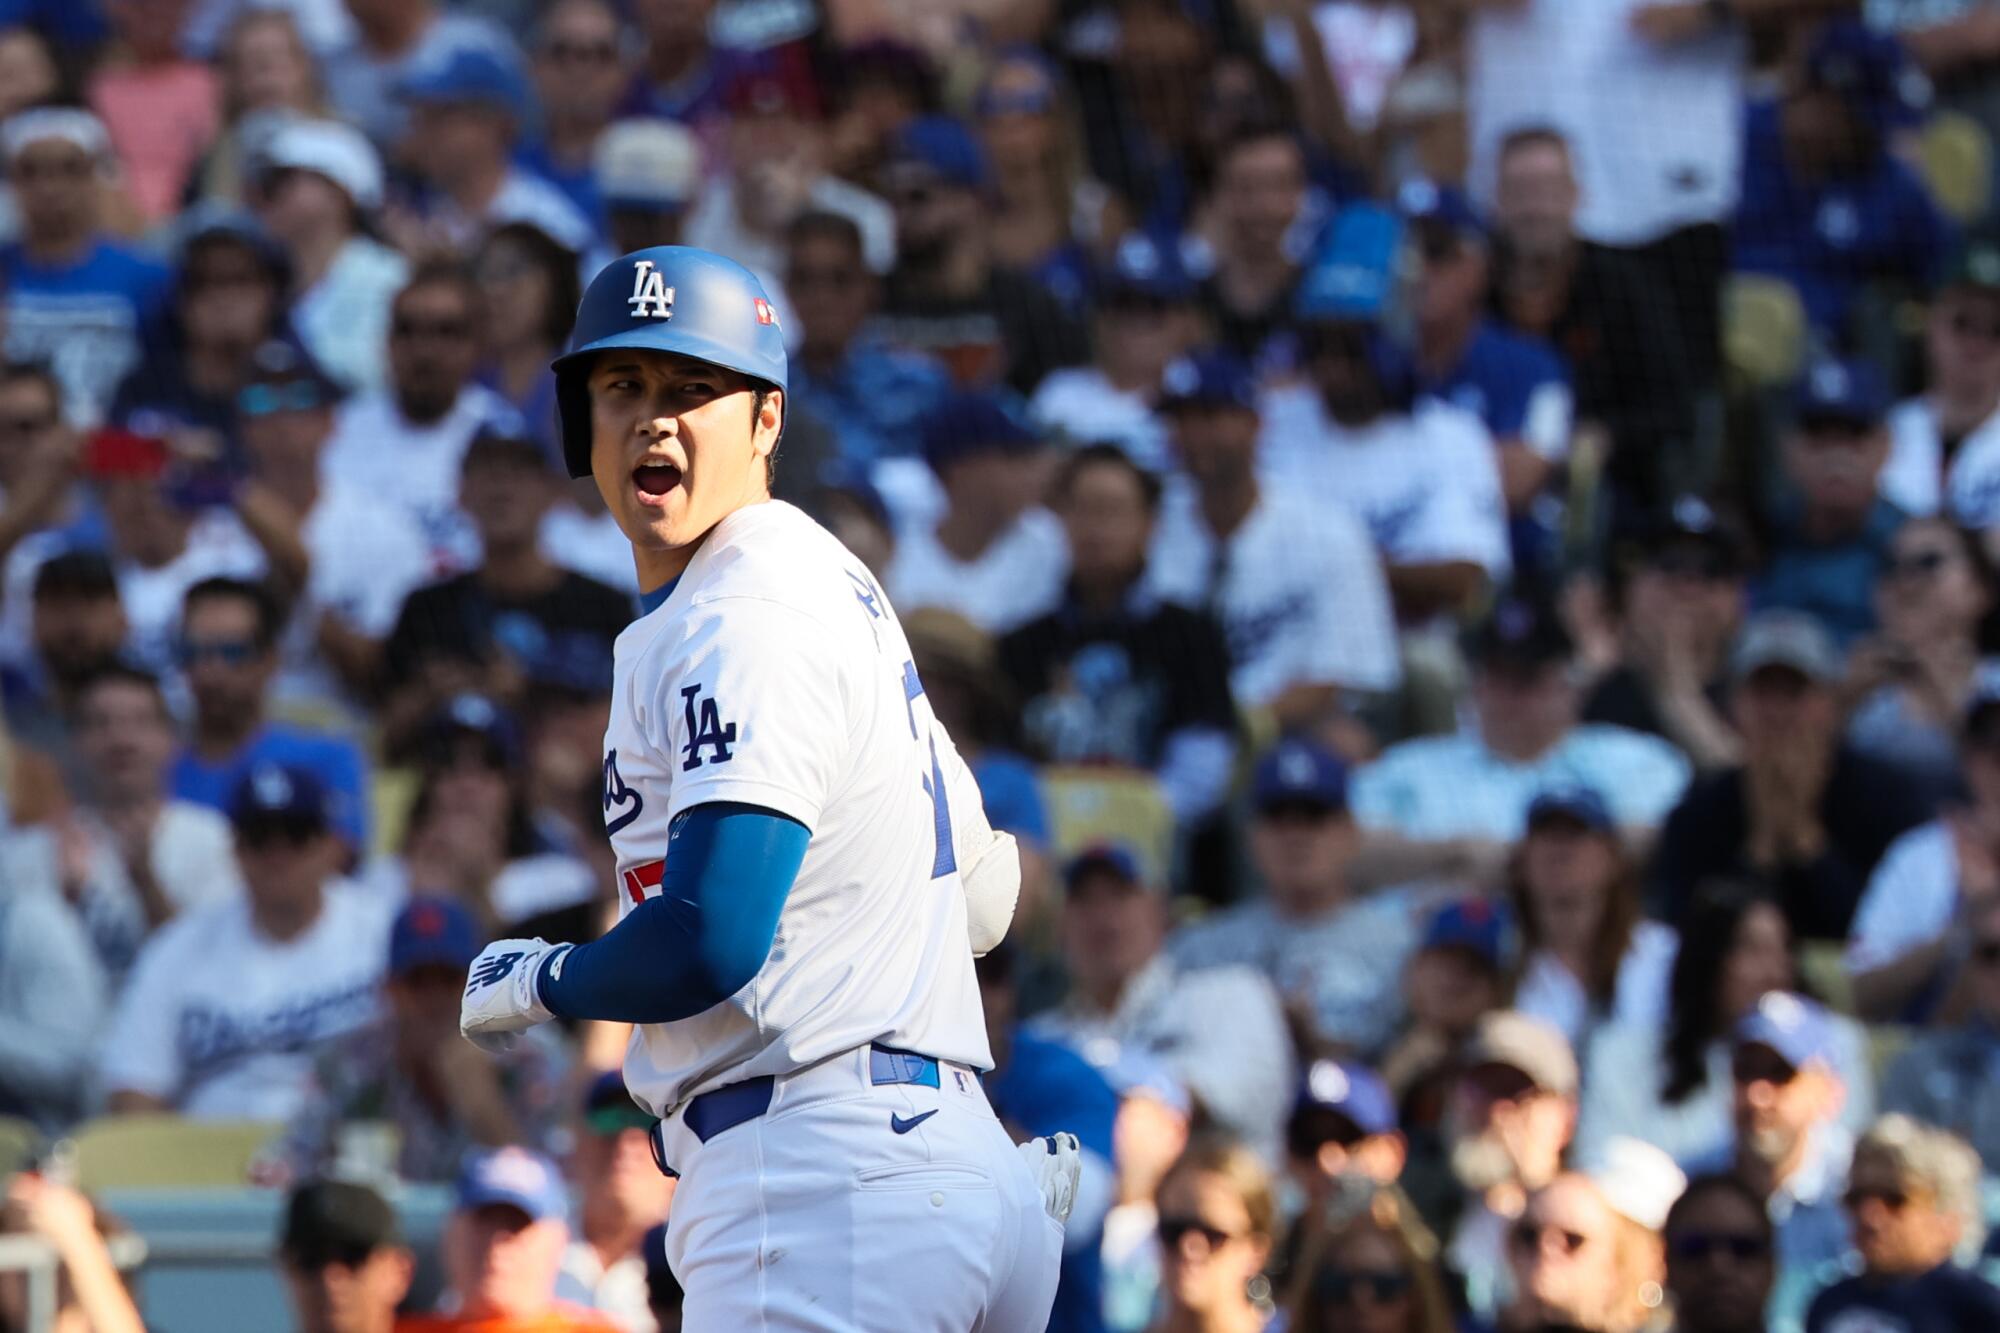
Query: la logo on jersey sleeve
pixel 705 731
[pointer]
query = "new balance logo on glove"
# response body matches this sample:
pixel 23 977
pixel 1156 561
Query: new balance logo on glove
pixel 489 970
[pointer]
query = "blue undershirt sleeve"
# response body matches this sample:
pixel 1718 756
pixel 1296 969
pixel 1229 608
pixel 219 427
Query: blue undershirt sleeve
pixel 703 938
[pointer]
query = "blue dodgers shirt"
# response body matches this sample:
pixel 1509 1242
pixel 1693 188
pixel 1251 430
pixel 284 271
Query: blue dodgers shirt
pixel 335 762
pixel 1829 238
pixel 88 321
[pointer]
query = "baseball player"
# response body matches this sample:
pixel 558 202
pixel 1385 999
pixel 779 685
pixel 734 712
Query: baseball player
pixel 805 871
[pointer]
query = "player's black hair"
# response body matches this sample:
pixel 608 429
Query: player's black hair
pixel 76 576
pixel 1107 455
pixel 269 610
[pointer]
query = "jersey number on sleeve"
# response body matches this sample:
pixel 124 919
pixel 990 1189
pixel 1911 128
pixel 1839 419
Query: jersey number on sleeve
pixel 945 861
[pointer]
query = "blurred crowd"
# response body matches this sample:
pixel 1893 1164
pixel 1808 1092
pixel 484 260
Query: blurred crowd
pixel 1460 536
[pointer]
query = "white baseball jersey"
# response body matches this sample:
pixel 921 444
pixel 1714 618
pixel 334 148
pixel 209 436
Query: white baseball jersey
pixel 775 674
pixel 1921 482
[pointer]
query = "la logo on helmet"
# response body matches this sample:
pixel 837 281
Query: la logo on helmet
pixel 651 297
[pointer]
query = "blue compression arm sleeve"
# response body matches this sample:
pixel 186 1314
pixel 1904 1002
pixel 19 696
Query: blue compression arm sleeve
pixel 703 938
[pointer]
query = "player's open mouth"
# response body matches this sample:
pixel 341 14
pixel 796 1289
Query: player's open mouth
pixel 655 480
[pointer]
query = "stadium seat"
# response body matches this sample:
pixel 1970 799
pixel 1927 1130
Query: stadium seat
pixel 167 1152
pixel 1955 156
pixel 18 1141
pixel 1763 330
pixel 1095 805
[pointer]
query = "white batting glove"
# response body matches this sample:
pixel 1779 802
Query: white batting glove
pixel 1057 1162
pixel 500 995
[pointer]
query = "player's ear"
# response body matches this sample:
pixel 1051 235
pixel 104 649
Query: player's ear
pixel 770 422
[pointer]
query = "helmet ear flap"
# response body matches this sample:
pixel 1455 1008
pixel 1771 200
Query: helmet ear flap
pixel 573 418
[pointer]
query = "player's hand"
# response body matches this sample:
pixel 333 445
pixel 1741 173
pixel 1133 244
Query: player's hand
pixel 1057 1163
pixel 501 998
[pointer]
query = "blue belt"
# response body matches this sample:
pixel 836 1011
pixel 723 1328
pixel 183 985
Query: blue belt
pixel 728 1106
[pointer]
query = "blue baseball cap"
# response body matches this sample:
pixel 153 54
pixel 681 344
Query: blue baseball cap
pixel 1142 270
pixel 1578 804
pixel 973 423
pixel 1424 202
pixel 515 1177
pixel 432 932
pixel 1115 858
pixel 279 794
pixel 1798 1029
pixel 1299 772
pixel 469 74
pixel 1350 275
pixel 1210 377
pixel 945 147
pixel 1346 1087
pixel 1848 392
pixel 1475 925
pixel 1870 71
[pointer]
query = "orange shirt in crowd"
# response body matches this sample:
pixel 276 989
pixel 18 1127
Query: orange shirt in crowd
pixel 563 1318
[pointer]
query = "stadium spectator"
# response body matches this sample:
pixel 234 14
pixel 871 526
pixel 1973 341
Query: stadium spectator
pixel 1663 668
pixel 991 552
pixel 1827 205
pixel 1588 956
pixel 1673 1088
pixel 1220 1029
pixel 1802 811
pixel 1944 445
pixel 1334 954
pixel 1578 1260
pixel 1609 317
pixel 514 617
pixel 1527 738
pixel 1298 590
pixel 1515 385
pixel 345 558
pixel 1148 1137
pixel 467 112
pixel 1341 1135
pixel 623 1197
pixel 1912 680
pixel 166 533
pixel 269 78
pixel 1257 196
pixel 1369 1264
pixel 1456 975
pixel 1420 477
pixel 320 182
pixel 1048 215
pixel 90 1292
pixel 1111 674
pixel 1913 1197
pixel 947 295
pixel 876 398
pixel 1218 1222
pixel 581 65
pixel 410 1069
pixel 682 71
pixel 1511 1116
pixel 228 654
pixel 345 1265
pixel 1940 1077
pixel 228 297
pixel 53 999
pixel 1143 319
pixel 648 173
pixel 74 299
pixel 43 511
pixel 774 158
pixel 1719 1270
pixel 387 41
pixel 228 1005
pixel 1830 537
pixel 1790 1147
pixel 28 59
pixel 160 108
pixel 531 286
pixel 407 441
pixel 1667 198
pixel 143 856
pixel 77 627
pixel 503 1250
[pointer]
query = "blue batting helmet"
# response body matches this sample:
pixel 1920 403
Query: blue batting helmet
pixel 670 298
